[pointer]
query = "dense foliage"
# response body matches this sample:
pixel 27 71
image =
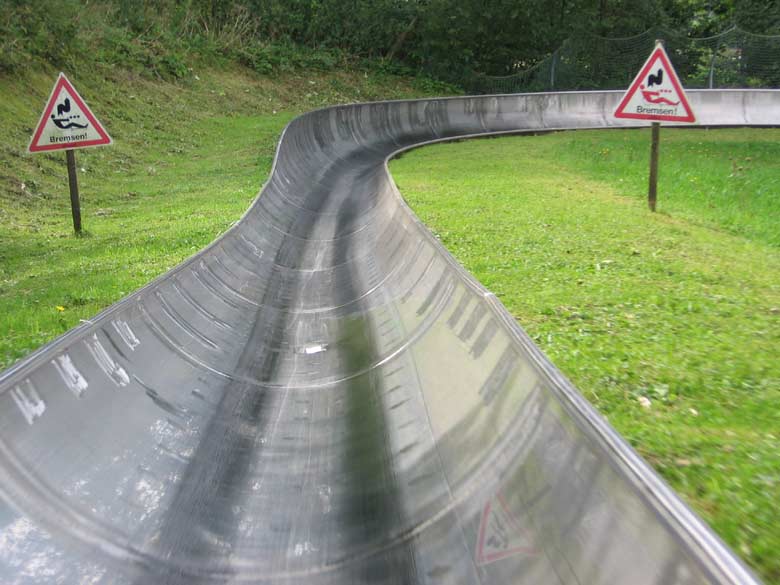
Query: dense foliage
pixel 449 39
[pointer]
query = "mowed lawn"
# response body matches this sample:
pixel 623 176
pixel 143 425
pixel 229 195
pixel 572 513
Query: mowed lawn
pixel 669 323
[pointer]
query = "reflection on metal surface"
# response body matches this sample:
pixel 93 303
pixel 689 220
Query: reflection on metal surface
pixel 324 396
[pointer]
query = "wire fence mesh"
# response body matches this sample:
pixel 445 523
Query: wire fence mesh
pixel 732 59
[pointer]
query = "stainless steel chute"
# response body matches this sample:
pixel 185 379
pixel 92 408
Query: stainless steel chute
pixel 323 395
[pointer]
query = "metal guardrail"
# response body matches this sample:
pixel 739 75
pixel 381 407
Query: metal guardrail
pixel 323 395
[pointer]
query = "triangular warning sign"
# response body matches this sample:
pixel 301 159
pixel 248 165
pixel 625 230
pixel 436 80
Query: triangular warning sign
pixel 67 122
pixel 500 535
pixel 656 93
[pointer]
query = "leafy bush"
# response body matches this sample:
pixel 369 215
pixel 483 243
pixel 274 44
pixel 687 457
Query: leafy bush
pixel 265 58
pixel 47 30
pixel 444 39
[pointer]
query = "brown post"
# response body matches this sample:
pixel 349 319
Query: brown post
pixel 73 181
pixel 653 188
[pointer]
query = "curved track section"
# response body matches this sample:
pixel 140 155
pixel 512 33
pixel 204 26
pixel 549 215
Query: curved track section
pixel 324 396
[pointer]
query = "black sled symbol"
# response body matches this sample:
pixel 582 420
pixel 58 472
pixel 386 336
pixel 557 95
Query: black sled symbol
pixel 656 79
pixel 65 123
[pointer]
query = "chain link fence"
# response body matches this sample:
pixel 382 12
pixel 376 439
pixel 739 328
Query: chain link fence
pixel 732 59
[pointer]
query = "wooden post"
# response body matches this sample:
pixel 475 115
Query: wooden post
pixel 653 187
pixel 73 181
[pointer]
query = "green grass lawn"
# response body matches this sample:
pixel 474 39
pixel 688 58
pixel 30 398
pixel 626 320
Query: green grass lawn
pixel 188 159
pixel 669 323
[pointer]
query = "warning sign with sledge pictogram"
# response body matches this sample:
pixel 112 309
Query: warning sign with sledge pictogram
pixel 656 94
pixel 67 122
pixel 500 535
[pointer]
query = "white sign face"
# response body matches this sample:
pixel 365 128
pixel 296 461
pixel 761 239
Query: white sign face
pixel 656 93
pixel 67 122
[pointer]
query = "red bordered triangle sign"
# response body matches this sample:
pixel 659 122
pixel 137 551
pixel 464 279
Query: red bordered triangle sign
pixel 500 535
pixel 656 93
pixel 67 122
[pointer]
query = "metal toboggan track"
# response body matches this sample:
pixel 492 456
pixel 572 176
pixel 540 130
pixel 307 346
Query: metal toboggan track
pixel 324 396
